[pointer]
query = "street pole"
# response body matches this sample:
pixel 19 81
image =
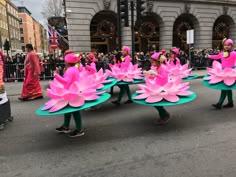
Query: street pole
pixel 190 62
pixel 119 25
pixel 132 28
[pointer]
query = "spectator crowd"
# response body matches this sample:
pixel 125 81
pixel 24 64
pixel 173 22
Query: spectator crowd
pixel 15 64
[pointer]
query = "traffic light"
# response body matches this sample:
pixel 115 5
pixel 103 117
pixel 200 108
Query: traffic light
pixel 6 45
pixel 124 11
pixel 141 6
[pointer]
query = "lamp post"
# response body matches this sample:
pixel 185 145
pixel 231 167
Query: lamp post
pixel 119 25
pixel 132 28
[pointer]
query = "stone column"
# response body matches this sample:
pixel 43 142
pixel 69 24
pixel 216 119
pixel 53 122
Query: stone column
pixel 127 37
pixel 79 15
pixel 205 36
pixel 166 35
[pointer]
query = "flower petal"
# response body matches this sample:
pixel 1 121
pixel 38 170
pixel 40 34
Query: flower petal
pixel 49 104
pixel 59 105
pixel 154 99
pixel 185 93
pixel 215 80
pixel 229 81
pixel 78 102
pixel 171 98
pixel 141 96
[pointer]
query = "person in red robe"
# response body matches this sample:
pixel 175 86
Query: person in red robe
pixel 31 87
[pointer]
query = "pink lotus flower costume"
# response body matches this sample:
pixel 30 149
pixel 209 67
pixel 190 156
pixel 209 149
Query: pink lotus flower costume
pixel 75 95
pixel 99 78
pixel 125 71
pixel 75 88
pixel 218 74
pixel 158 89
pixel 177 71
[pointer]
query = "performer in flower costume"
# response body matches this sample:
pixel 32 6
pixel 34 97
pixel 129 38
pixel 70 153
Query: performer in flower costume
pixel 159 90
pixel 174 53
pixel 157 60
pixel 71 74
pixel 2 89
pixel 228 59
pixel 124 88
pixel 79 89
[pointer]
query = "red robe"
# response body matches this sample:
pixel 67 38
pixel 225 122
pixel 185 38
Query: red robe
pixel 31 87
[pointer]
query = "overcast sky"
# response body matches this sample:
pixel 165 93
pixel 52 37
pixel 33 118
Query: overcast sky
pixel 34 6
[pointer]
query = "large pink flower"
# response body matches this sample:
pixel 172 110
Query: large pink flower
pixel 99 78
pixel 125 71
pixel 177 71
pixel 218 74
pixel 75 96
pixel 157 89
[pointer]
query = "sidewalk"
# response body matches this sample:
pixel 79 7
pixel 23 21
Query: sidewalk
pixel 14 88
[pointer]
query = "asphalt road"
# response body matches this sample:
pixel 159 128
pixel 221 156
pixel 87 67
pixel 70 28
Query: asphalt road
pixel 123 142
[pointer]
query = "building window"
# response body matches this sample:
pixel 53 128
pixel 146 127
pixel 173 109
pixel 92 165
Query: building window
pixel 20 20
pixel 22 40
pixel 21 31
pixel 23 48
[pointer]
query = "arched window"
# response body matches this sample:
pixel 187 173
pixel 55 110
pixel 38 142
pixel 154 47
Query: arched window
pixel 147 33
pixel 103 32
pixel 224 27
pixel 183 23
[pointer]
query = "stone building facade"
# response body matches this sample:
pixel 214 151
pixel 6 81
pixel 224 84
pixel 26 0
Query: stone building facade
pixel 92 24
pixel 14 27
pixel 3 23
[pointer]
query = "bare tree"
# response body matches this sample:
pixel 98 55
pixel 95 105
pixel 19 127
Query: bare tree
pixel 52 8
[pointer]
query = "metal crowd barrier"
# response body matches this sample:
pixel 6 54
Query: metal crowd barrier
pixel 13 71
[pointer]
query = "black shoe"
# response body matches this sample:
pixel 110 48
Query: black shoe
pixel 39 97
pixel 36 98
pixel 76 133
pixel 23 99
pixel 116 102
pixel 229 105
pixel 63 130
pixel 217 106
pixel 128 102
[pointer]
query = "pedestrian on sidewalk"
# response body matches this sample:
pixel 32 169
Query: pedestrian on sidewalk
pixel 31 87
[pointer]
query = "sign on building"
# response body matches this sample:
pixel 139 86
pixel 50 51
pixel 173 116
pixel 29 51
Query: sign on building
pixel 190 36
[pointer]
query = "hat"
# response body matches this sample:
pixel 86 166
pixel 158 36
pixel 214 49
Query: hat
pixel 163 51
pixel 68 51
pixel 126 48
pixel 175 50
pixel 71 58
pixel 228 41
pixel 92 57
pixel 156 56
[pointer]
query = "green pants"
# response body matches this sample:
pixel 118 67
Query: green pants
pixel 123 89
pixel 111 90
pixel 162 112
pixel 77 118
pixel 224 94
